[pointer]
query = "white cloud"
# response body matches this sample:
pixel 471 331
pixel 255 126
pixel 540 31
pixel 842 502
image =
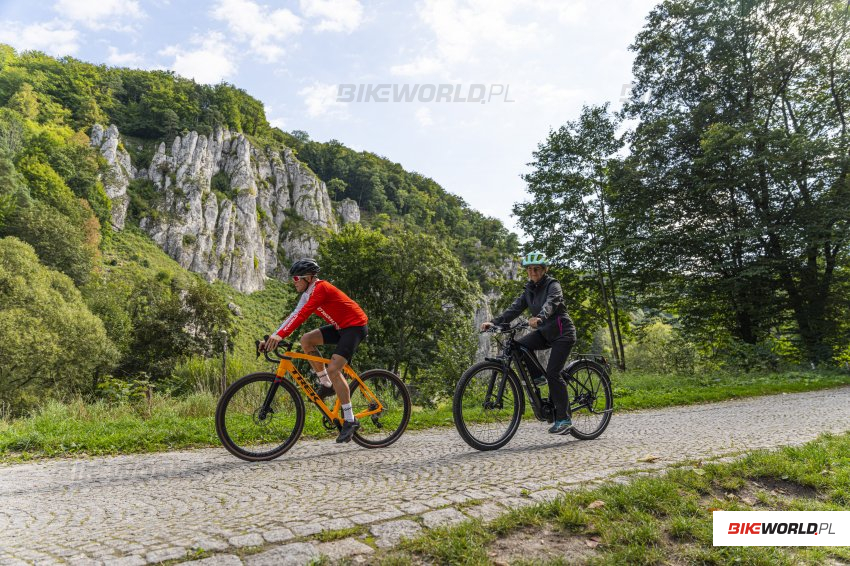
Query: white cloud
pixel 417 68
pixel 335 15
pixel 100 14
pixel 55 38
pixel 119 59
pixel 424 117
pixel 209 62
pixel 266 31
pixel 321 100
pixel 466 30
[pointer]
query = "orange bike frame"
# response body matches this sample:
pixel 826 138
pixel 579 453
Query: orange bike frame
pixel 286 366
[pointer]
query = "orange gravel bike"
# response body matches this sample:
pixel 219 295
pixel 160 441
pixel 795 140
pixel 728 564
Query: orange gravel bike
pixel 260 416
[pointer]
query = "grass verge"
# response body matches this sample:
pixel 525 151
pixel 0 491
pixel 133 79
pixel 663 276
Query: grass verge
pixel 170 423
pixel 656 520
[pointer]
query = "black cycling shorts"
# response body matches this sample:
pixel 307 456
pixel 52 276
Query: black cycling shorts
pixel 346 339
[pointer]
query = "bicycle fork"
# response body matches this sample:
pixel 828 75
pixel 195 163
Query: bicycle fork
pixel 266 407
pixel 489 403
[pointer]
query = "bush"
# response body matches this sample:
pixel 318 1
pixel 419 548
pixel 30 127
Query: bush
pixel 50 342
pixel 59 242
pixel 660 348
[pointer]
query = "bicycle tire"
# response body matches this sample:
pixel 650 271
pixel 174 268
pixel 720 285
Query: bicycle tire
pixel 473 427
pixel 591 400
pixel 235 430
pixel 394 396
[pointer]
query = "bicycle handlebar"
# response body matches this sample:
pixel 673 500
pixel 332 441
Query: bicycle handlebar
pixel 506 327
pixel 283 343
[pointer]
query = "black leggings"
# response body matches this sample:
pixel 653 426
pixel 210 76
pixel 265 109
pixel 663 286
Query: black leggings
pixel 561 348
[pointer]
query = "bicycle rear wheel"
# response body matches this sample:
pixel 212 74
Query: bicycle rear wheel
pixel 590 399
pixel 484 419
pixel 250 432
pixel 384 428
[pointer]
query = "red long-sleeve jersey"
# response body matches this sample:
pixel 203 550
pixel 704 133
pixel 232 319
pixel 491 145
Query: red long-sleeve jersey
pixel 329 303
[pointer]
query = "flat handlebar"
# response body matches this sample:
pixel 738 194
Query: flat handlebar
pixel 506 327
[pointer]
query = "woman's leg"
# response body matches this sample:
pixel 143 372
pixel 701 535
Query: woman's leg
pixel 561 349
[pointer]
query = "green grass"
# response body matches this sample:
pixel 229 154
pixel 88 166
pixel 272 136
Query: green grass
pixel 74 428
pixel 635 390
pixel 661 520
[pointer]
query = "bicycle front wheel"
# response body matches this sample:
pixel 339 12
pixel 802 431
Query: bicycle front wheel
pixel 488 406
pixel 380 429
pixel 257 419
pixel 590 400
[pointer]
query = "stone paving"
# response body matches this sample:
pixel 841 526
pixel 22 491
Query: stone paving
pixel 150 508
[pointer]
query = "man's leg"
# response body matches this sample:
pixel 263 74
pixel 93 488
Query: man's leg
pixel 338 381
pixel 309 341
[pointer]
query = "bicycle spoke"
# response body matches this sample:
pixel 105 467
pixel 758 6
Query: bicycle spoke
pixel 485 416
pixel 254 428
pixel 590 401
pixel 383 409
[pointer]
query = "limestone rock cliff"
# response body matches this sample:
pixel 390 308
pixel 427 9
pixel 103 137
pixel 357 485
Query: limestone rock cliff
pixel 227 209
pixel 120 172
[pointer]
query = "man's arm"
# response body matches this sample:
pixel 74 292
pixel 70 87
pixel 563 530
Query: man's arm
pixel 310 300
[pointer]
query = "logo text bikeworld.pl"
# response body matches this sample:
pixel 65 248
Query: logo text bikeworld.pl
pixel 424 92
pixel 780 528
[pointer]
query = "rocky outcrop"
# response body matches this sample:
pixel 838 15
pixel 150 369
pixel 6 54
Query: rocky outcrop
pixel 349 211
pixel 232 211
pixel 509 269
pixel 118 175
pixel 226 209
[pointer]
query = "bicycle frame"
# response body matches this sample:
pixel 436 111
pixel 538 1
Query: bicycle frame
pixel 286 366
pixel 514 353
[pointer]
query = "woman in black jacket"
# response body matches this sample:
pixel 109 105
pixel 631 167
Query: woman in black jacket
pixel 554 329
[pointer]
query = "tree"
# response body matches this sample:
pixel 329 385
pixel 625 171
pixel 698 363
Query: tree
pixel 412 288
pixel 568 215
pixel 172 321
pixel 740 167
pixel 61 244
pixel 50 343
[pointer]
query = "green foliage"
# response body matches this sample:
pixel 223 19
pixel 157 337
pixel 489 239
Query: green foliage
pixel 50 342
pixel 381 187
pixel 659 348
pixel 411 286
pixel 221 186
pixel 172 320
pixel 734 202
pixel 144 199
pixel 60 243
pixel 455 352
pixel 149 104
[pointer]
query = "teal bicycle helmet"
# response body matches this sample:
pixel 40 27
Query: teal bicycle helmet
pixel 535 258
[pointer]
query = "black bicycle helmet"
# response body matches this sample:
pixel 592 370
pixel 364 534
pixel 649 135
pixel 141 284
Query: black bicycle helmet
pixel 305 266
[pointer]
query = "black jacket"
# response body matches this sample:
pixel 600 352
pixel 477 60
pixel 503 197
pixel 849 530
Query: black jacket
pixel 545 300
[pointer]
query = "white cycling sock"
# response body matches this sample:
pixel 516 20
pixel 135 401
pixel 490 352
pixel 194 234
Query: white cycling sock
pixel 349 414
pixel 323 378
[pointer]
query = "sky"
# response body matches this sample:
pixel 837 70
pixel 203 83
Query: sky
pixel 369 73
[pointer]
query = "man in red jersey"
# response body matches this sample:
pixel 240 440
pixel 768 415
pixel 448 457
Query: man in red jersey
pixel 346 328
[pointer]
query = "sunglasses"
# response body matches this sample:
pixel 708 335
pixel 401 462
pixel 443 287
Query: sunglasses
pixel 297 278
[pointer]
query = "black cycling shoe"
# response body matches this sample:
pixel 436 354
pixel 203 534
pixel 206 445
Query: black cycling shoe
pixel 348 430
pixel 325 391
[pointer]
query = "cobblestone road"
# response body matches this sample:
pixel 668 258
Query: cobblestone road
pixel 149 508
